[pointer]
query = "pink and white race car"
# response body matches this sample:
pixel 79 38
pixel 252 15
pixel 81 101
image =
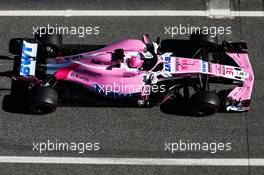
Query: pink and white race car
pixel 147 73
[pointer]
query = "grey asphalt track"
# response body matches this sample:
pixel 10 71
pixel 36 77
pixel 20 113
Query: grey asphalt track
pixel 130 132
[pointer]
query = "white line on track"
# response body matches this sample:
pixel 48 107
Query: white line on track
pixel 134 161
pixel 68 13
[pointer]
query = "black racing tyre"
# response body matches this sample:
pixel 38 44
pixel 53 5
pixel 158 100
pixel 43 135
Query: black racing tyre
pixel 51 42
pixel 205 103
pixel 14 104
pixel 42 100
pixel 16 65
pixel 15 46
pixel 169 45
pixel 19 88
pixel 204 38
pixel 17 100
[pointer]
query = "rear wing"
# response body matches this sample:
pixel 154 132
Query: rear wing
pixel 28 58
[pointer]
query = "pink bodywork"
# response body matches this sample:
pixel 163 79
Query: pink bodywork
pixel 88 73
pixel 92 70
pixel 190 67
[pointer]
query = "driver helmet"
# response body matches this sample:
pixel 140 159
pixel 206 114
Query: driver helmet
pixel 135 62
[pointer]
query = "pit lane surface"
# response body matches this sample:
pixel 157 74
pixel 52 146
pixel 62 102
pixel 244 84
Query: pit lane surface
pixel 130 132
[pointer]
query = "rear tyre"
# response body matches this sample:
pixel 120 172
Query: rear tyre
pixel 19 88
pixel 15 46
pixel 204 103
pixel 16 102
pixel 43 100
pixel 52 43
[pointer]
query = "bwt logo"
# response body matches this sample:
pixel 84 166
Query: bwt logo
pixel 204 66
pixel 167 64
pixel 28 64
pixel 25 61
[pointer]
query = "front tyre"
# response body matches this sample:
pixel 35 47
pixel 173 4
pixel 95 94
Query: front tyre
pixel 202 39
pixel 42 100
pixel 204 103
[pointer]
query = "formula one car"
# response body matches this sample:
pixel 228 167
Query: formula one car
pixel 147 73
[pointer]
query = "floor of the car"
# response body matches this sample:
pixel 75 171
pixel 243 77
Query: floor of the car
pixel 72 94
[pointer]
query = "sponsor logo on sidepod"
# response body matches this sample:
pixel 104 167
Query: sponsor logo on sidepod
pixel 167 64
pixel 204 66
